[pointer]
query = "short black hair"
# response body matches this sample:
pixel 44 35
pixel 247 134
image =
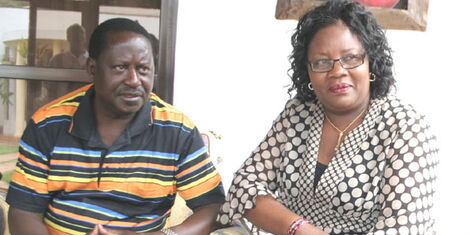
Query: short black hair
pixel 98 39
pixel 73 29
pixel 361 23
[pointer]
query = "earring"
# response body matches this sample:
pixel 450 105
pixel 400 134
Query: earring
pixel 310 87
pixel 372 77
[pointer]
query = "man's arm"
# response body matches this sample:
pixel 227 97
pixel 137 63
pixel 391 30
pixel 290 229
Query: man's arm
pixel 25 222
pixel 202 221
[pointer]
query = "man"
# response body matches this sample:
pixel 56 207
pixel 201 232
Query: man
pixel 77 56
pixel 110 157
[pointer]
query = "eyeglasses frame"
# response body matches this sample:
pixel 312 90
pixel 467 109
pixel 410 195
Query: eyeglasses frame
pixel 310 63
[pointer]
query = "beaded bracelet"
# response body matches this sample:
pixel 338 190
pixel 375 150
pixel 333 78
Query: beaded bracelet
pixel 168 231
pixel 296 225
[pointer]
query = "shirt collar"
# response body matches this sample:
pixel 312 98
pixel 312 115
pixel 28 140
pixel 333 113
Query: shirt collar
pixel 83 123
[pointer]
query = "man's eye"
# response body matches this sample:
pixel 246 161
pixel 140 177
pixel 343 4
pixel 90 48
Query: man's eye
pixel 143 69
pixel 120 67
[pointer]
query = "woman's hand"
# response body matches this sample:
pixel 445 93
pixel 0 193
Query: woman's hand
pixel 271 216
pixel 309 229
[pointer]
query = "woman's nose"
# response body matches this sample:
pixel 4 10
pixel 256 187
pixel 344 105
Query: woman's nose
pixel 337 69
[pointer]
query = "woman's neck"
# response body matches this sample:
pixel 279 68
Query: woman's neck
pixel 343 119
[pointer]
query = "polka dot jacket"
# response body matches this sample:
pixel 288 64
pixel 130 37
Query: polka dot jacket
pixel 380 181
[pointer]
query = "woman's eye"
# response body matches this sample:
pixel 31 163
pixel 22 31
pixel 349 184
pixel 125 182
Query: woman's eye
pixel 322 62
pixel 349 58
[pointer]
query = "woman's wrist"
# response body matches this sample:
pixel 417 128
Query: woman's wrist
pixel 296 224
pixel 168 231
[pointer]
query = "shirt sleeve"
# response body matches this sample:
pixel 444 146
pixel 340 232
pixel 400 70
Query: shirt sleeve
pixel 258 174
pixel 408 186
pixel 197 179
pixel 28 187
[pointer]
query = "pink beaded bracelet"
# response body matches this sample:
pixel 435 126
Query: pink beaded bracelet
pixel 296 225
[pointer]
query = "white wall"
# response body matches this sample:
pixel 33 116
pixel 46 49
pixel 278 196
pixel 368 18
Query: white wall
pixel 231 66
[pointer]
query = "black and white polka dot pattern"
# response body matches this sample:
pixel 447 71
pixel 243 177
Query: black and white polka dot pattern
pixel 380 181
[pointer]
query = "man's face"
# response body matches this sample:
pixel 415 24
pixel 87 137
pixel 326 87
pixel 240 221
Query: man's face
pixel 123 74
pixel 77 40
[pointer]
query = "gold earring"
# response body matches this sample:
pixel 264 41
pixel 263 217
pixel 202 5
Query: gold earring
pixel 372 77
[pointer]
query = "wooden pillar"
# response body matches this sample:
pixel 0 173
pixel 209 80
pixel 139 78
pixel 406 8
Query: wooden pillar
pixel 166 62
pixel 33 12
pixel 90 16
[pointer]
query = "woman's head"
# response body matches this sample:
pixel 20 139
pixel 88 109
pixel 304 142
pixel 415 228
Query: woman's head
pixel 362 25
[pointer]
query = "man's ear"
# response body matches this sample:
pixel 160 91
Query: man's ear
pixel 91 68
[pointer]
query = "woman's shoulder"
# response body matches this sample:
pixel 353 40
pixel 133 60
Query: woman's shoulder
pixel 296 104
pixel 395 108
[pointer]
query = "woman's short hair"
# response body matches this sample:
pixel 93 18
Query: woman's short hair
pixel 361 23
pixel 99 40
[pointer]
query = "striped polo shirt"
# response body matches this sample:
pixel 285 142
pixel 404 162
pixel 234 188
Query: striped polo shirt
pixel 67 173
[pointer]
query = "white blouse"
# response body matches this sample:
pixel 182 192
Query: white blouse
pixel 380 181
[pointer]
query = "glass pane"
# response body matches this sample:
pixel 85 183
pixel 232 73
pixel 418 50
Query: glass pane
pixel 60 40
pixel 13 34
pixel 61 29
pixel 54 47
pixel 19 99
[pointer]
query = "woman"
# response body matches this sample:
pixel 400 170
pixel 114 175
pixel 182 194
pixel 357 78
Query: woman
pixel 344 156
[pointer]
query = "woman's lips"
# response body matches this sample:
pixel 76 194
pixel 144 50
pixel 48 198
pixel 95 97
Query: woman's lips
pixel 340 88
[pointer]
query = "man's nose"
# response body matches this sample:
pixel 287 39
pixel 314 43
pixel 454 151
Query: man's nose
pixel 132 79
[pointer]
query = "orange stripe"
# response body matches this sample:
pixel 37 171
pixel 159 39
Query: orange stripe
pixel 23 180
pixel 81 217
pixel 168 115
pixel 71 186
pixel 146 190
pixel 46 111
pixel 74 163
pixel 140 164
pixel 40 115
pixel 34 163
pixel 67 96
pixel 201 188
pixel 53 231
pixel 195 167
pixel 114 165
pixel 104 222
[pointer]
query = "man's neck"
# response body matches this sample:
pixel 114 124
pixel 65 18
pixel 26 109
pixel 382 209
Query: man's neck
pixel 77 53
pixel 110 127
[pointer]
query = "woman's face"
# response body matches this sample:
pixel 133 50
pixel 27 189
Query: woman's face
pixel 339 90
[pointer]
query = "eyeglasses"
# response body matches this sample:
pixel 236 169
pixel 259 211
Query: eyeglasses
pixel 347 62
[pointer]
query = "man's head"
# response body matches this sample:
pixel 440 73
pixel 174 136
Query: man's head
pixel 121 64
pixel 76 38
pixel 98 39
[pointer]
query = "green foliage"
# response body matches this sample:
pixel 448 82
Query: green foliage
pixel 4 92
pixel 6 176
pixel 4 149
pixel 23 48
pixel 13 3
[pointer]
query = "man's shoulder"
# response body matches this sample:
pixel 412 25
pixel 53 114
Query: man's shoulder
pixel 164 112
pixel 64 106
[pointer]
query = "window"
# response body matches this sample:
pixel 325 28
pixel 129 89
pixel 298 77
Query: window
pixel 43 49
